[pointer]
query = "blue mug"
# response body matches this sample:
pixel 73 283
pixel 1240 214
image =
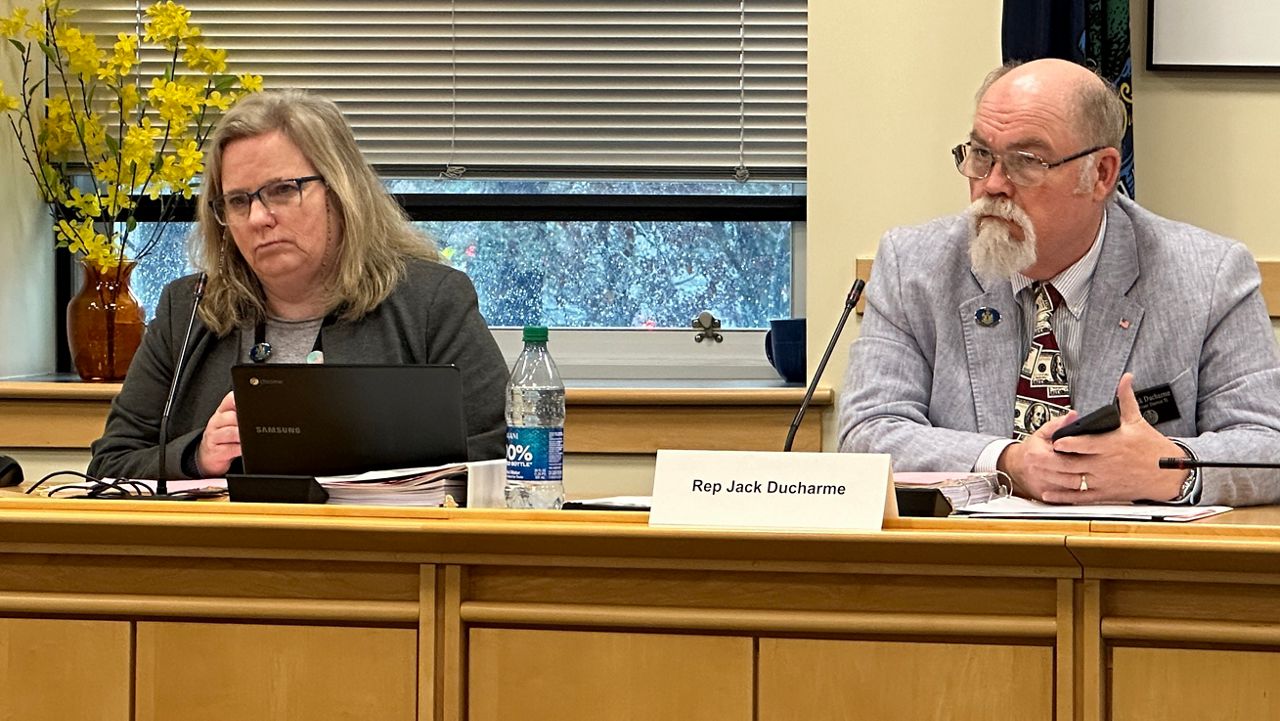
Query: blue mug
pixel 784 346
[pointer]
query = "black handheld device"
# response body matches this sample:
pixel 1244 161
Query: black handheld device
pixel 1106 418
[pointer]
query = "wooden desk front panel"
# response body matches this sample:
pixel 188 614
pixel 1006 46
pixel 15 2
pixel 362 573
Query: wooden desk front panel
pixel 823 680
pixel 888 640
pixel 1176 684
pixel 212 672
pixel 64 669
pixel 547 675
pixel 252 638
pixel 1188 620
pixel 1188 650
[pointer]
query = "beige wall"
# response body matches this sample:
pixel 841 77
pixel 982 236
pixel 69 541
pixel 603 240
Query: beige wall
pixel 26 265
pixel 1207 146
pixel 891 90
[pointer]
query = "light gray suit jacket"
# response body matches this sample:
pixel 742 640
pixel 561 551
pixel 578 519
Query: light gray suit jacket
pixel 1170 302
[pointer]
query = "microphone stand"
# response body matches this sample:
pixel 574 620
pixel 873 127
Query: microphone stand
pixel 162 472
pixel 849 302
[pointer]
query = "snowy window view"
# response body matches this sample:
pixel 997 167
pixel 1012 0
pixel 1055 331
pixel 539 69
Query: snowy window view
pixel 590 274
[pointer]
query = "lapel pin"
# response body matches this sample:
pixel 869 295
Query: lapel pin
pixel 987 317
pixel 1124 323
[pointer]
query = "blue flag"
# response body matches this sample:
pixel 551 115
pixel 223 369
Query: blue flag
pixel 1094 33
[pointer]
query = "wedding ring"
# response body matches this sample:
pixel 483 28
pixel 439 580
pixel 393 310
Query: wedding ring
pixel 1084 482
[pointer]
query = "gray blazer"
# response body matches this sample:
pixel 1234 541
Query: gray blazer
pixel 1170 302
pixel 431 317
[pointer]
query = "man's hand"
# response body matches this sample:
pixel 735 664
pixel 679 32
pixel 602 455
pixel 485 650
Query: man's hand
pixel 1122 465
pixel 220 444
pixel 1117 466
pixel 1033 466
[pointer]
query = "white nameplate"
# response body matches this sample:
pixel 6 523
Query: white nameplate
pixel 773 491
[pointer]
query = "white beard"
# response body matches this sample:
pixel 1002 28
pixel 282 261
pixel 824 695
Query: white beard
pixel 993 251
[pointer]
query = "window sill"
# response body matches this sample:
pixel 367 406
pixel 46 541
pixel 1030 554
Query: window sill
pixel 53 413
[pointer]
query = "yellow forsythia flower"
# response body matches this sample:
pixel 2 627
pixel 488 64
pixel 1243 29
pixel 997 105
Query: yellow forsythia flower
pixel 176 100
pixel 134 138
pixel 81 238
pixel 59 130
pixel 86 203
pixel 127 100
pixel 8 102
pixel 204 60
pixel 139 145
pixel 219 101
pixel 83 55
pixel 11 27
pixel 124 56
pixel 251 83
pixel 169 23
pixel 190 159
pixel 118 198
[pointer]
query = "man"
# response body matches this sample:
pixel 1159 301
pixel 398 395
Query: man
pixel 970 320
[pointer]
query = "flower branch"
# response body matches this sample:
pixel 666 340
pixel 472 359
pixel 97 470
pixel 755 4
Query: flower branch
pixel 94 141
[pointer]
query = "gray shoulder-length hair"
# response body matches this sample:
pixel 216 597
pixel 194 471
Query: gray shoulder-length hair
pixel 374 237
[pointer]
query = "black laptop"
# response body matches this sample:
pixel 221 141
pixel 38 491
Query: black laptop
pixel 322 420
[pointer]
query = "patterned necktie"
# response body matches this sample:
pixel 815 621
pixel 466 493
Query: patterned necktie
pixel 1043 393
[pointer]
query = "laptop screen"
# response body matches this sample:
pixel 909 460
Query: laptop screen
pixel 339 419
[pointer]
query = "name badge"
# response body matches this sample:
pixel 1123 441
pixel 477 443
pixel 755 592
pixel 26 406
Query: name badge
pixel 1157 404
pixel 772 491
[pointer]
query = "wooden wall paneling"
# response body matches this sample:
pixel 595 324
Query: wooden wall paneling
pixel 1270 270
pixel 35 414
pixel 631 429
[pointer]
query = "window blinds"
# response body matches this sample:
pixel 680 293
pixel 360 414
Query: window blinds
pixel 530 88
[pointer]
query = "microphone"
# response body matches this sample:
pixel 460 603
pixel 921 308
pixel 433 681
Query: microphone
pixel 849 302
pixel 1188 464
pixel 162 473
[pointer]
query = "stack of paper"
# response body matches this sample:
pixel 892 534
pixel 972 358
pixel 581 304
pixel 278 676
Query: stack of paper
pixel 1012 507
pixel 426 486
pixel 961 489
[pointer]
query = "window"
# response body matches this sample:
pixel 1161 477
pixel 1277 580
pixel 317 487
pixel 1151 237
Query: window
pixel 638 119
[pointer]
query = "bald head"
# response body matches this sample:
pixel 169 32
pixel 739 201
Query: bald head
pixel 1096 114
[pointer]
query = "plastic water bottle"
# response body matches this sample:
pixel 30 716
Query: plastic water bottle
pixel 535 427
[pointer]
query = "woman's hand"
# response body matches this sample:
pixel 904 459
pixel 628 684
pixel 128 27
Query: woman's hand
pixel 221 442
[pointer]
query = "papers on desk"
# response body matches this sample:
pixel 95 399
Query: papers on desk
pixel 1014 507
pixel 425 486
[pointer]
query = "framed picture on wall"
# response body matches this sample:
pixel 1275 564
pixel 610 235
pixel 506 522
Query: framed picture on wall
pixel 1216 35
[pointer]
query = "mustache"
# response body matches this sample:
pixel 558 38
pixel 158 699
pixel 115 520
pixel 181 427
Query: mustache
pixel 999 208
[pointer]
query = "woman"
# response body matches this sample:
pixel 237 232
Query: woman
pixel 308 258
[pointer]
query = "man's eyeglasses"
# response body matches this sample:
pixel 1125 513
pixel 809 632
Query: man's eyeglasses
pixel 1020 167
pixel 234 208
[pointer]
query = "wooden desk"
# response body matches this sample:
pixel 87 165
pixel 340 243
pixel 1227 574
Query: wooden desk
pixel 242 611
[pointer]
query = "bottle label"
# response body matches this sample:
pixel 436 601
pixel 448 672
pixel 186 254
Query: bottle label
pixel 535 454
